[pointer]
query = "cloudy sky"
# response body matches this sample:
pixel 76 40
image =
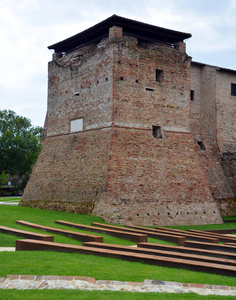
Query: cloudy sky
pixel 27 27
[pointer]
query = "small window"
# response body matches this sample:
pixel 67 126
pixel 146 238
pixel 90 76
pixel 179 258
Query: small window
pixel 77 125
pixel 192 95
pixel 156 132
pixel 150 89
pixel 233 89
pixel 201 145
pixel 159 75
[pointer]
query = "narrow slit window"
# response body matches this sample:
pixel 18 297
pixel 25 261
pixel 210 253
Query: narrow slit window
pixel 192 95
pixel 201 145
pixel 156 132
pixel 159 75
pixel 233 89
pixel 150 89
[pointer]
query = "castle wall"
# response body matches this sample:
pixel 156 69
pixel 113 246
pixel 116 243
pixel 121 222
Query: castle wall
pixel 80 86
pixel 226 111
pixel 213 126
pixel 70 173
pixel 226 127
pixel 154 181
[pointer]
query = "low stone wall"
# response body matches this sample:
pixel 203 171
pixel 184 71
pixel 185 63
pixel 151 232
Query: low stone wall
pixel 22 282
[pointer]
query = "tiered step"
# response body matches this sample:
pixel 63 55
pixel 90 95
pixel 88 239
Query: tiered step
pixel 134 237
pixel 83 237
pixel 165 253
pixel 130 256
pixel 156 235
pixel 26 234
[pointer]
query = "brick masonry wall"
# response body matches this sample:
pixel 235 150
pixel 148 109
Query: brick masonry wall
pixel 70 173
pixel 115 168
pixel 213 123
pixel 226 131
pixel 156 181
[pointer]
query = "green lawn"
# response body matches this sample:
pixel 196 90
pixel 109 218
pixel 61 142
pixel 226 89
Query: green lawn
pixel 98 295
pixel 54 263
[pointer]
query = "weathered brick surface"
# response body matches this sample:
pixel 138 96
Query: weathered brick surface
pixel 213 122
pixel 72 176
pixel 115 167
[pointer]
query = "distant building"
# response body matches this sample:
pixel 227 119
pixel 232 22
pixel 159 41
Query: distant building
pixel 136 132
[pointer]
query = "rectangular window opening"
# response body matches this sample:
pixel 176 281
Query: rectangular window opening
pixel 159 75
pixel 156 132
pixel 233 89
pixel 201 145
pixel 77 125
pixel 192 95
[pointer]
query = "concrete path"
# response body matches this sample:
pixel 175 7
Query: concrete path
pixel 9 203
pixel 7 249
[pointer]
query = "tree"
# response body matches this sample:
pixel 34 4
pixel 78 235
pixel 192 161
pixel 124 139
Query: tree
pixel 19 144
pixel 3 178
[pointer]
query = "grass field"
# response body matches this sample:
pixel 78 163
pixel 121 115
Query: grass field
pixel 99 295
pixel 54 263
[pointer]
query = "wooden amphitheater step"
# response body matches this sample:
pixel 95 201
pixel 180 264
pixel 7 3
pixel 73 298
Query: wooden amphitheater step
pixel 156 235
pixel 209 246
pixel 222 231
pixel 189 236
pixel 26 234
pixel 24 245
pixel 194 257
pixel 230 221
pixel 189 250
pixel 221 237
pixel 83 237
pixel 134 237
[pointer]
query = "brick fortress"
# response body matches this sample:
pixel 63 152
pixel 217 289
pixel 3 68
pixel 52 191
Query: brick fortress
pixel 137 133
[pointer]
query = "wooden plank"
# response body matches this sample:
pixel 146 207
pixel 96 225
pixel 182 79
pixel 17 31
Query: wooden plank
pixel 134 237
pixel 26 234
pixel 190 250
pixel 222 238
pixel 188 235
pixel 230 221
pixel 209 246
pixel 33 245
pixel 83 237
pixel 156 235
pixel 231 244
pixel 222 231
pixel 162 253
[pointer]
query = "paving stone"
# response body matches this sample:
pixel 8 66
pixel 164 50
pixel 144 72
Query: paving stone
pixel 27 277
pixel 13 277
pixel 21 282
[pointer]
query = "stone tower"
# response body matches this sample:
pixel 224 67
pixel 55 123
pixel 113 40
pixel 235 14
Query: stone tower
pixel 119 143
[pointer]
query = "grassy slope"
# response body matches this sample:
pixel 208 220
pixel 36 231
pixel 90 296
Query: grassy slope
pixel 98 295
pixel 53 263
